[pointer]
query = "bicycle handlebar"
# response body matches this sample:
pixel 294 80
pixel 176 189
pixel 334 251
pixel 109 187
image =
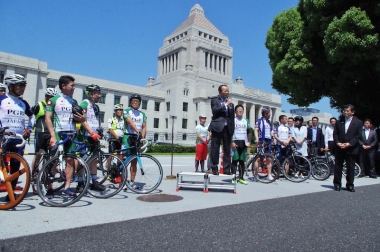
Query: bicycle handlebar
pixel 22 144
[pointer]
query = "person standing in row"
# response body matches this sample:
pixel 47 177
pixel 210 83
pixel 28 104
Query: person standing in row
pixel 300 135
pixel 222 128
pixel 116 128
pixel 346 136
pixel 368 144
pixel 329 140
pixel 315 137
pixel 201 148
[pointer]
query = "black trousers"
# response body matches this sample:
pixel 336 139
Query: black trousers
pixel 340 157
pixel 216 138
pixel 367 162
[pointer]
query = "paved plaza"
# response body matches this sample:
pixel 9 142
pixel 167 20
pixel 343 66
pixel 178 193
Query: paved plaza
pixel 298 216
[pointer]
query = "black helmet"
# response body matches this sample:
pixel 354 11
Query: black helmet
pixel 92 88
pixel 134 96
pixel 77 109
pixel 298 118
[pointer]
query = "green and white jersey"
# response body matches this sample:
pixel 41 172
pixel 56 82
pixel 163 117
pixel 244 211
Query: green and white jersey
pixel 137 117
pixel 203 132
pixel 92 115
pixel 241 129
pixel 61 106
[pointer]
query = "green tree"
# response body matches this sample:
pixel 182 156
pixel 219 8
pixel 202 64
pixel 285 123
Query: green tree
pixel 328 48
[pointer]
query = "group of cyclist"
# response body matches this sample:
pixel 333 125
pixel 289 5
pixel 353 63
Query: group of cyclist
pixel 59 113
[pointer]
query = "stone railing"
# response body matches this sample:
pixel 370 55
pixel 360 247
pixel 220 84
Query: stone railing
pixel 258 94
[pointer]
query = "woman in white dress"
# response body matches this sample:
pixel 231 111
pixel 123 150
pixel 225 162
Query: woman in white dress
pixel 300 135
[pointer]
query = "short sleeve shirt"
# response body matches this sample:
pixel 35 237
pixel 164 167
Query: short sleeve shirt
pixel 92 115
pixel 203 131
pixel 283 132
pixel 241 128
pixel 258 125
pixel 61 106
pixel 138 118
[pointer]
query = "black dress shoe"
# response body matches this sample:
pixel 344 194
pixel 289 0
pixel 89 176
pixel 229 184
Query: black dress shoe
pixel 337 187
pixel 350 189
pixel 373 176
pixel 215 173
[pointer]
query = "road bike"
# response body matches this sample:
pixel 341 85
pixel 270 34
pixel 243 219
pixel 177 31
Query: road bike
pixel 264 160
pixel 330 159
pixel 149 172
pixel 53 175
pixel 295 167
pixel 14 185
pixel 320 169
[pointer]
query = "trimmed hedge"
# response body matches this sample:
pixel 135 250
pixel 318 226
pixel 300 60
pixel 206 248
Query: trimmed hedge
pixel 168 149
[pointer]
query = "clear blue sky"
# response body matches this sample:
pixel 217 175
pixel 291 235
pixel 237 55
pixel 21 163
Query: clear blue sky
pixel 118 40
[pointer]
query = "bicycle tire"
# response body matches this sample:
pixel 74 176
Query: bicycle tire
pixel 357 170
pixel 36 167
pixel 23 178
pixel 105 167
pixel 320 171
pixel 50 174
pixel 299 168
pixel 148 180
pixel 262 175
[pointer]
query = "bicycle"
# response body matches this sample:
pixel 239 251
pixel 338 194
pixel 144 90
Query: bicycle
pixel 265 159
pixel 320 169
pixel 149 172
pixel 10 181
pixel 295 167
pixel 53 174
pixel 330 159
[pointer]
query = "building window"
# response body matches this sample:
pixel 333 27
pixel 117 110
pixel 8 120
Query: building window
pixel 155 137
pixel 156 106
pixel 156 123
pixel 2 76
pixel 184 137
pixel 185 91
pixel 196 106
pixel 168 106
pixel 166 122
pixel 166 136
pixel 116 99
pixel 185 106
pixel 103 99
pixel 84 96
pixel 101 116
pixel 144 104
pixel 196 123
pixel 184 123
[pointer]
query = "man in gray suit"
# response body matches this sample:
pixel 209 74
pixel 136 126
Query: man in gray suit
pixel 222 128
pixel 368 143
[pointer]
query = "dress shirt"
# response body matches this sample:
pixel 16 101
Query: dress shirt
pixel 347 124
pixel 366 131
pixel 314 133
pixel 329 134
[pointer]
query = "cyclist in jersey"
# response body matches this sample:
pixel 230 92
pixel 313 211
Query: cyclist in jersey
pixel 240 141
pixel 263 128
pixel 283 135
pixel 59 118
pixel 91 112
pixel 135 123
pixel 40 130
pixel 12 114
pixel 3 89
pixel 116 128
pixel 201 148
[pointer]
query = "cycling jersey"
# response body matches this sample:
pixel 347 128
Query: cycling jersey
pixel 138 118
pixel 39 114
pixel 12 113
pixel 203 132
pixel 242 126
pixel 61 106
pixel 265 128
pixel 117 125
pixel 283 132
pixel 92 115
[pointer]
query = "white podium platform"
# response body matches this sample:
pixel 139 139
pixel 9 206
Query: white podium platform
pixel 204 181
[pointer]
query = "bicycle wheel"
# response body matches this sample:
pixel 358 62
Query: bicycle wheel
pixel 320 171
pixel 10 197
pixel 109 166
pixel 357 170
pixel 262 174
pixel 53 174
pixel 296 168
pixel 149 173
pixel 37 163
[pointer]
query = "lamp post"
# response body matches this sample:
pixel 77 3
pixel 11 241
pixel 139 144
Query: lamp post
pixel 171 176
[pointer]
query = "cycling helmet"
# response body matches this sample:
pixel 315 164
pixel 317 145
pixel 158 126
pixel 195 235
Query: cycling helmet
pixel 298 118
pixel 2 85
pixel 77 109
pixel 202 116
pixel 118 106
pixel 92 88
pixel 14 79
pixel 51 92
pixel 134 96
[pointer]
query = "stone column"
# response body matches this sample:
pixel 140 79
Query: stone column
pixel 175 61
pixel 252 115
pixel 217 64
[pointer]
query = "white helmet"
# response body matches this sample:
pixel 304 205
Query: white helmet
pixel 202 116
pixel 118 106
pixel 14 79
pixel 51 92
pixel 2 85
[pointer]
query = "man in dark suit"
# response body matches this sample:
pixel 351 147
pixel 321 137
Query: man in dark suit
pixel 346 136
pixel 368 144
pixel 222 128
pixel 315 137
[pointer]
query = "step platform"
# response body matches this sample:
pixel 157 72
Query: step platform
pixel 203 180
